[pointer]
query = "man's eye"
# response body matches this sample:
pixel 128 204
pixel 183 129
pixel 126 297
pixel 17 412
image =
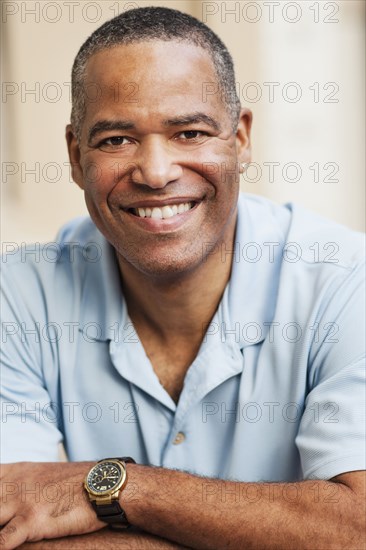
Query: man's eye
pixel 114 142
pixel 191 135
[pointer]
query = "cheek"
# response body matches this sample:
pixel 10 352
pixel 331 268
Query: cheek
pixel 219 164
pixel 222 174
pixel 100 177
pixel 224 178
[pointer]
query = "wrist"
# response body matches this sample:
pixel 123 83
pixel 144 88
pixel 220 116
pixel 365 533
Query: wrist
pixel 131 498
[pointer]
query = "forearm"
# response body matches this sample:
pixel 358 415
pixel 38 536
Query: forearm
pixel 107 539
pixel 206 513
pixel 48 501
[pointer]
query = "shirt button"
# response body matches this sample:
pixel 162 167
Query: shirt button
pixel 179 438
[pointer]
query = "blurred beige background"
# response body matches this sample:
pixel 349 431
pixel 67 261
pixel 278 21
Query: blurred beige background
pixel 300 67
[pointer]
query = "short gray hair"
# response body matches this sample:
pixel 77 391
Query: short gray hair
pixel 147 24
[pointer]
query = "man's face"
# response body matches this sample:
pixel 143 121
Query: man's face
pixel 158 159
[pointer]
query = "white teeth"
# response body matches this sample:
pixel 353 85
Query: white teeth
pixel 157 213
pixel 167 211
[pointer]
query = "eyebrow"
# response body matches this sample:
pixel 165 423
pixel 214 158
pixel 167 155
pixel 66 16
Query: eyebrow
pixel 108 125
pixel 193 118
pixel 121 125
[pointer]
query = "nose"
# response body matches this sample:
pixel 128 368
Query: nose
pixel 154 164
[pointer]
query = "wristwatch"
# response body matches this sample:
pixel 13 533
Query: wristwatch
pixel 104 483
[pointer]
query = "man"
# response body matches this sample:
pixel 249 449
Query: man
pixel 216 340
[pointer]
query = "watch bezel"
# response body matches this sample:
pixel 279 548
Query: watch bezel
pixel 114 489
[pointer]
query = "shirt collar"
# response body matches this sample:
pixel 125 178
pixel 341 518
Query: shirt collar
pixel 252 291
pixel 102 303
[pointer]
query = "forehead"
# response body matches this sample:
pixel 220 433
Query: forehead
pixel 152 76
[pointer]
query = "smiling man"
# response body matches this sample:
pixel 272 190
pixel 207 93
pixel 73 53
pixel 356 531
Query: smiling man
pixel 166 189
pixel 217 371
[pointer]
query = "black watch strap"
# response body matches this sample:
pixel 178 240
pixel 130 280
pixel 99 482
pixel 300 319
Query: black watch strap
pixel 126 459
pixel 113 513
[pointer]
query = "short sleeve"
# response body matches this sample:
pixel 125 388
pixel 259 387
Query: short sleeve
pixel 331 437
pixel 29 424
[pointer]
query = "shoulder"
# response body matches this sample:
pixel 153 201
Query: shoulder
pixel 37 273
pixel 325 241
pixel 72 243
pixel 303 235
pixel 294 266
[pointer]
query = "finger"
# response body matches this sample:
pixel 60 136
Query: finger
pixel 9 496
pixel 6 514
pixel 14 533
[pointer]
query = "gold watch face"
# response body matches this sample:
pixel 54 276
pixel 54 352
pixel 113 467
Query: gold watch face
pixel 105 477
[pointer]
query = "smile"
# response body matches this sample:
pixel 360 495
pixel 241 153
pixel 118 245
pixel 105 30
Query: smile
pixel 164 212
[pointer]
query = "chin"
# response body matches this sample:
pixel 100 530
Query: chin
pixel 165 266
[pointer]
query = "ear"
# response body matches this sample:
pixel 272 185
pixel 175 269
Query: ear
pixel 243 145
pixel 74 156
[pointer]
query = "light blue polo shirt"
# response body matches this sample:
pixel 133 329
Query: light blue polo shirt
pixel 276 392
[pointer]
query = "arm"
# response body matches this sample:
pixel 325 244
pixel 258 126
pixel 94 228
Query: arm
pixel 106 539
pixel 207 513
pixel 48 501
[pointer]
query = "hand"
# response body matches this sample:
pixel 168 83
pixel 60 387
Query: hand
pixel 44 500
